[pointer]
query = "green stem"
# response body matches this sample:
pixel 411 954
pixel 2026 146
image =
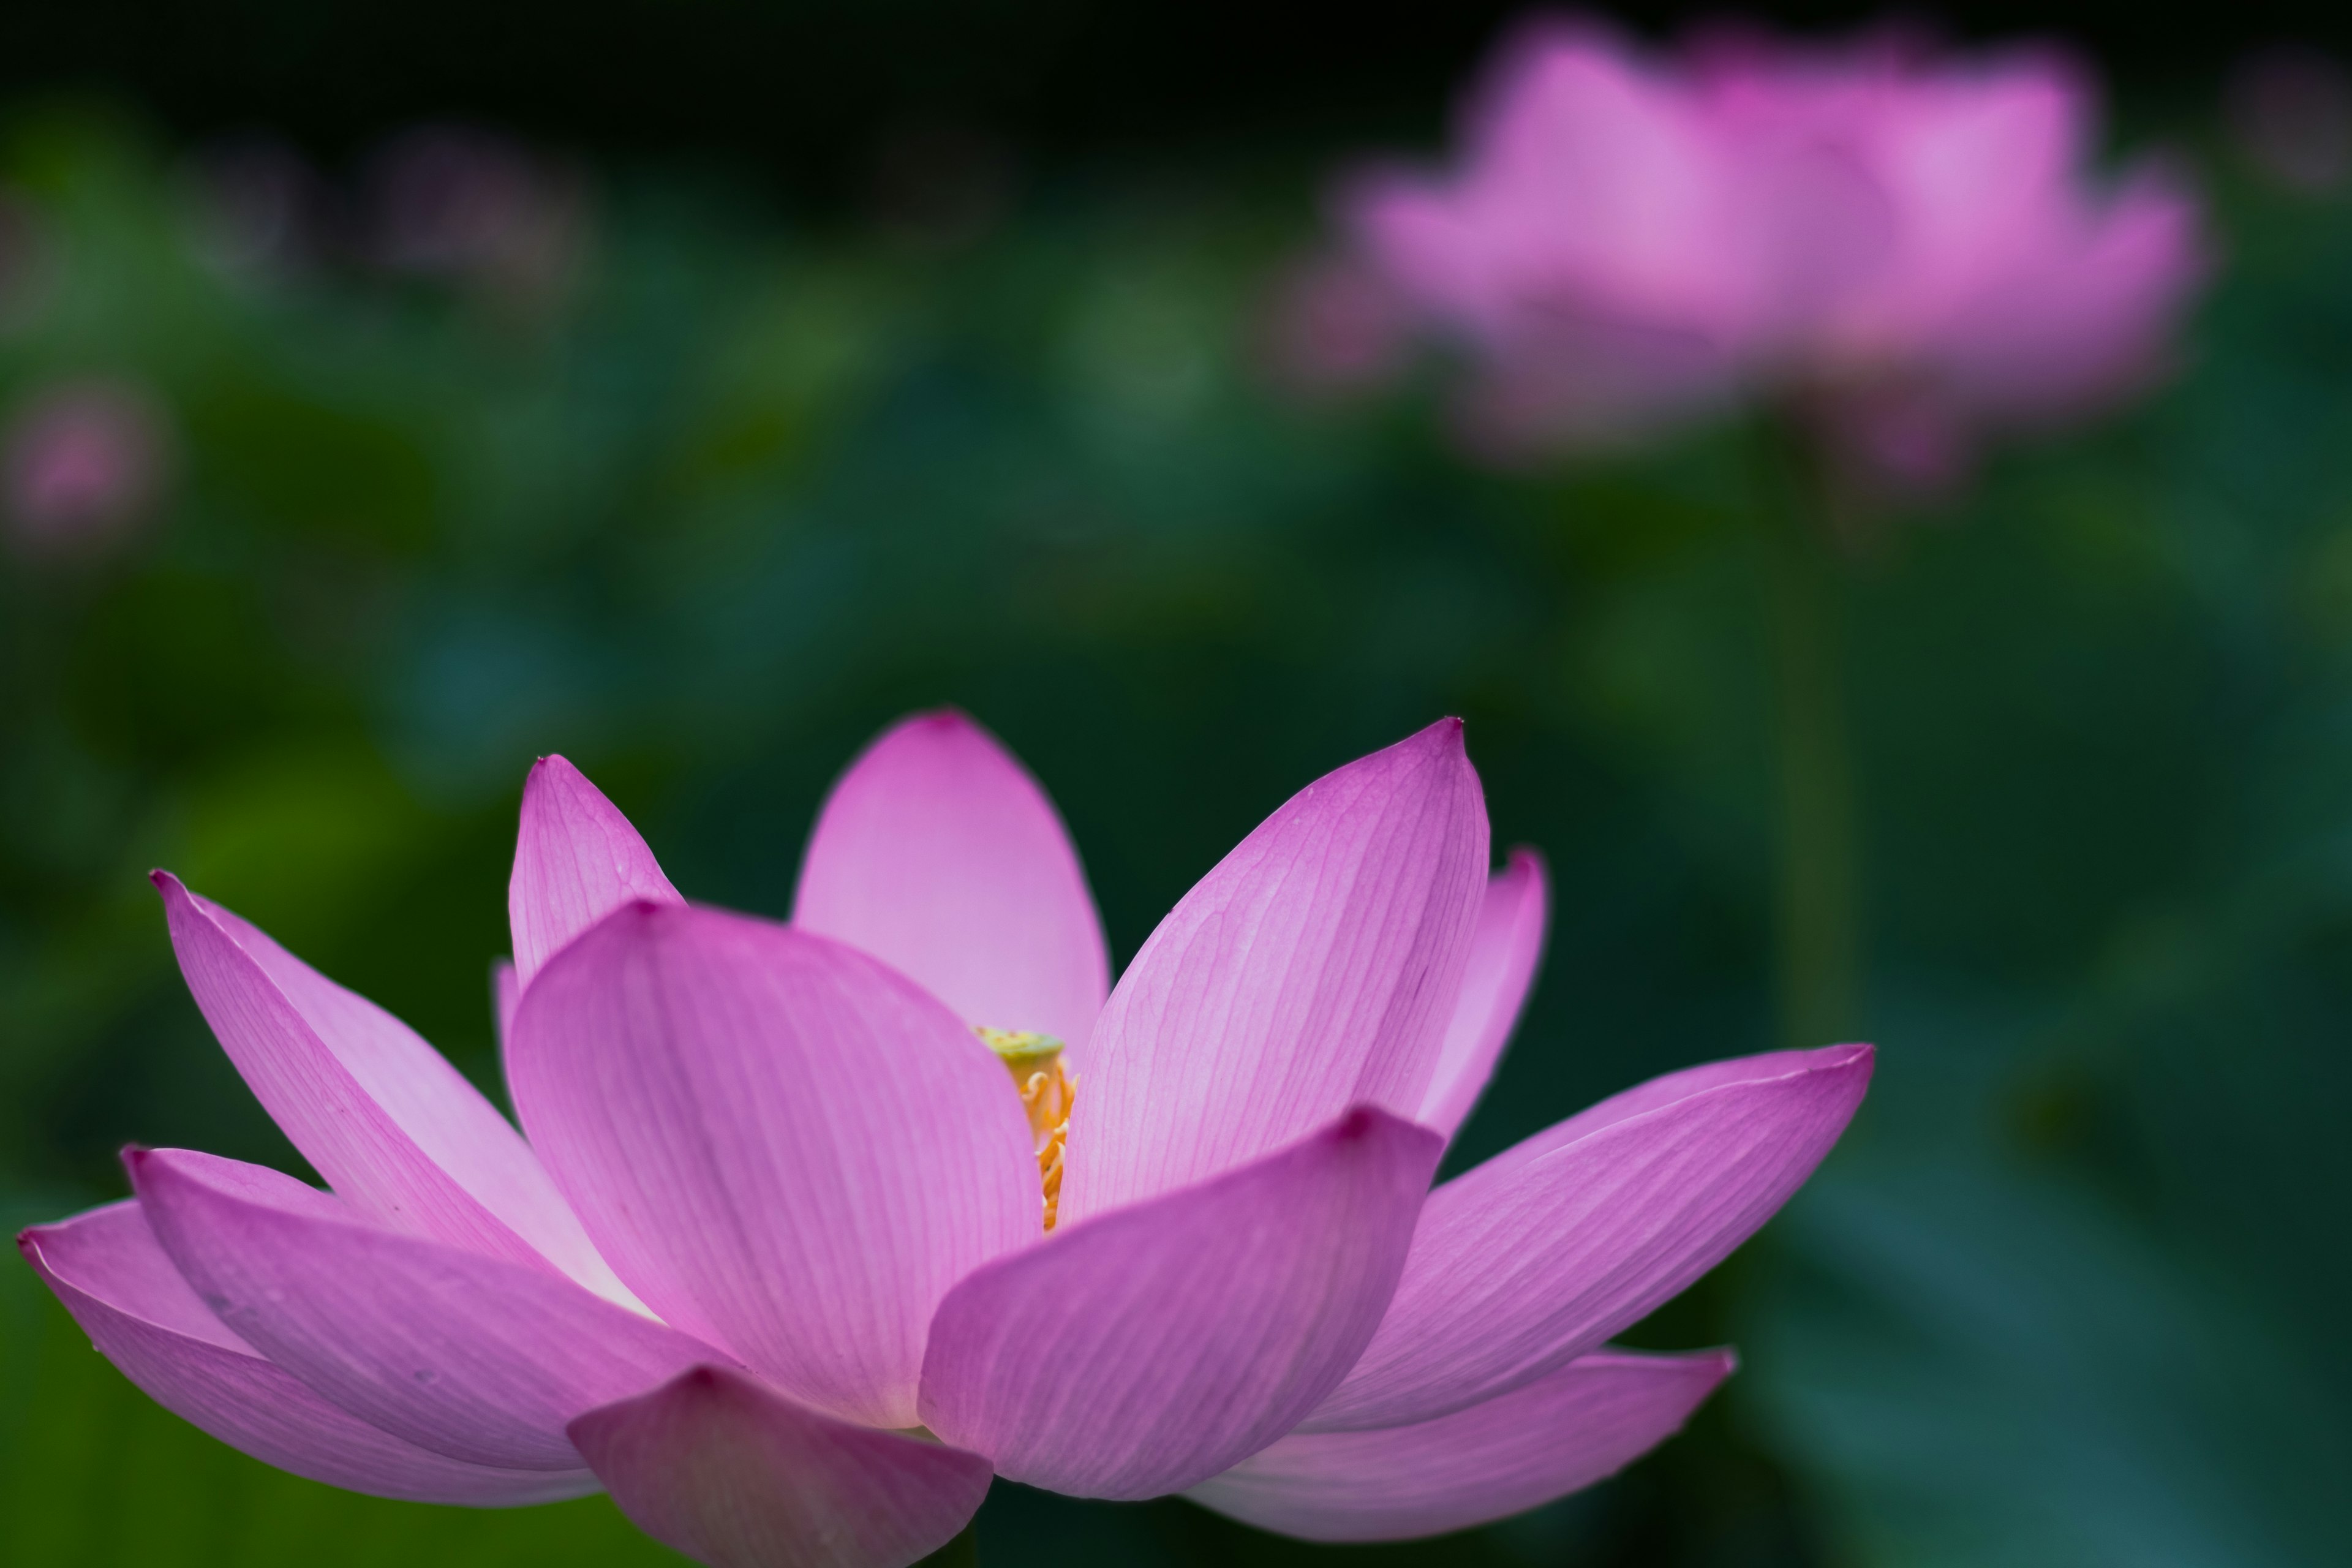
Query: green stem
pixel 1819 934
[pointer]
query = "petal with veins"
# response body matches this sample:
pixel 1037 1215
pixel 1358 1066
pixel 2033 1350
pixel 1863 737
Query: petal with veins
pixel 107 1270
pixel 780 1143
pixel 577 859
pixel 734 1475
pixel 1313 969
pixel 940 855
pixel 1148 1349
pixel 392 1126
pixel 466 1356
pixel 1503 958
pixel 1560 1433
pixel 1543 1252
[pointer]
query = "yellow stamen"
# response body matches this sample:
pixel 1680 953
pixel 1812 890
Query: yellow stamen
pixel 1034 1061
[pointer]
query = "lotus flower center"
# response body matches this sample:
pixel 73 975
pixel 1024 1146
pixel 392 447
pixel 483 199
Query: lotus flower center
pixel 1046 1092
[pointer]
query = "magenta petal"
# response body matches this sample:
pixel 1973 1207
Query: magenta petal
pixel 466 1356
pixel 1545 1250
pixel 1503 958
pixel 1144 1350
pixel 108 1271
pixel 577 859
pixel 1312 969
pixel 1564 1431
pixel 734 1475
pixel 395 1129
pixel 939 855
pixel 782 1143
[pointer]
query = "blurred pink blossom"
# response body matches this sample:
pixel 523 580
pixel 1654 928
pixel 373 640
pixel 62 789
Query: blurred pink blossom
pixel 1629 238
pixel 1334 325
pixel 83 462
pixel 477 208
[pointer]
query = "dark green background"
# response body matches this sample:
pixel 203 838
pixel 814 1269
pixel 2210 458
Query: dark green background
pixel 772 474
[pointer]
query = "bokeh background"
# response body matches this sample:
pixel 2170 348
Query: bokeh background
pixel 389 396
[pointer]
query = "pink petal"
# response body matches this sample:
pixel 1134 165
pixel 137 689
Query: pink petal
pixel 1313 969
pixel 732 1474
pixel 780 1142
pixel 577 859
pixel 1503 958
pixel 392 1126
pixel 939 855
pixel 108 1271
pixel 466 1356
pixel 1146 1350
pixel 1545 1250
pixel 1564 1431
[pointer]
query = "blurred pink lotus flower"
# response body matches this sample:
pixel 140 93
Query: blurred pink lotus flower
pixel 780 1265
pixel 477 208
pixel 1629 240
pixel 83 461
pixel 1333 326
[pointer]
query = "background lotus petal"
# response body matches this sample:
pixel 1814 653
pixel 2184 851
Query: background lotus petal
pixel 1561 1432
pixel 939 854
pixel 469 1356
pixel 1543 1252
pixel 1144 1350
pixel 734 1475
pixel 395 1129
pixel 107 1270
pixel 1631 235
pixel 1504 955
pixel 777 1140
pixel 577 859
pixel 1312 969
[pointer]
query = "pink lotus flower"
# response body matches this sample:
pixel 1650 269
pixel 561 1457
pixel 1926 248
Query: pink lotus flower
pixel 780 1265
pixel 82 463
pixel 1913 242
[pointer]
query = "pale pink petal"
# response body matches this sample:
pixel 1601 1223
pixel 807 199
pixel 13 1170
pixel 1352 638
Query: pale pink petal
pixel 108 1271
pixel 2086 316
pixel 577 859
pixel 1503 958
pixel 1545 1250
pixel 392 1126
pixel 940 855
pixel 734 1475
pixel 1146 1350
pixel 1557 1435
pixel 780 1143
pixel 469 1356
pixel 1313 969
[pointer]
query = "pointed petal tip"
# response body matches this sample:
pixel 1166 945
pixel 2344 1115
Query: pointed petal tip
pixel 1857 1056
pixel 1444 735
pixel 1525 860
